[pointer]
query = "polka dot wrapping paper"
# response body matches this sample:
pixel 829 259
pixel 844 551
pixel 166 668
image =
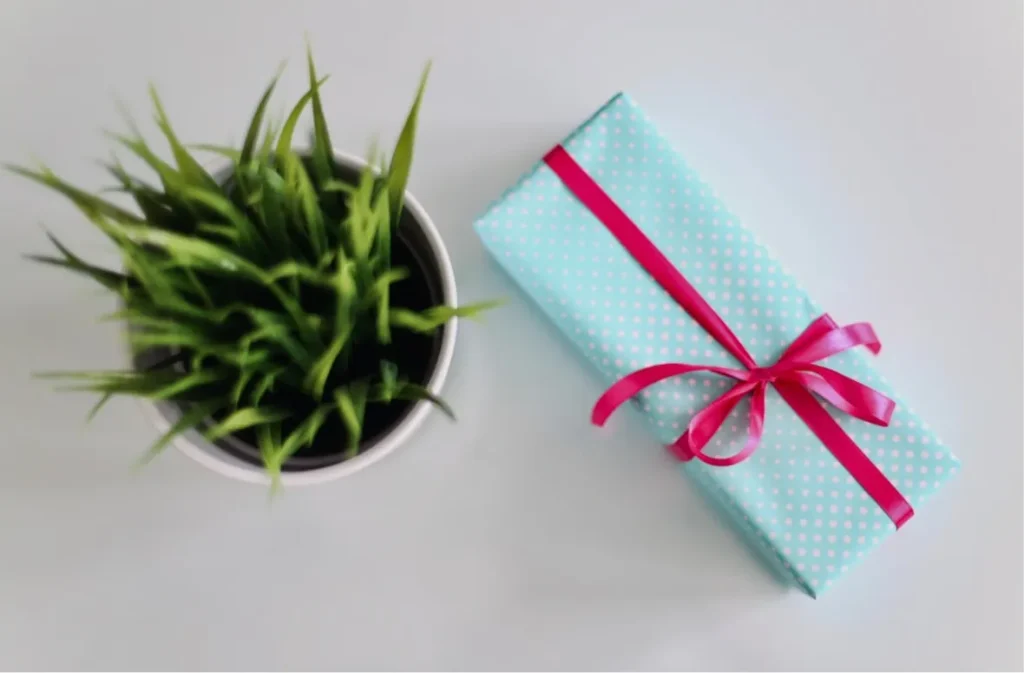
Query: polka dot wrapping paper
pixel 791 499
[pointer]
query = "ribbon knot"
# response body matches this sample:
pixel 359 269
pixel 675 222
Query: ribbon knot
pixel 765 374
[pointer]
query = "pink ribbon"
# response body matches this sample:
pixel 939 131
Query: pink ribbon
pixel 795 375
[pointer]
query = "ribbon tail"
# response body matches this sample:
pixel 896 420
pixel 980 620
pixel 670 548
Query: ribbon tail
pixel 846 451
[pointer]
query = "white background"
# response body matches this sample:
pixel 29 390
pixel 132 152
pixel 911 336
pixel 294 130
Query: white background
pixel 875 145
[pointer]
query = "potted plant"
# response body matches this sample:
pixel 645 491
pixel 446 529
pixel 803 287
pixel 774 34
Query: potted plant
pixel 291 315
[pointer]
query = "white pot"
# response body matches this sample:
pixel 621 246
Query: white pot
pixel 195 446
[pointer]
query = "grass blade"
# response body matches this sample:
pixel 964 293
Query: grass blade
pixel 415 392
pixel 108 279
pixel 106 397
pixel 189 168
pixel 284 141
pixel 429 320
pixel 382 232
pixel 227 152
pixel 249 146
pixel 382 291
pixel 304 196
pixel 213 200
pixel 275 452
pixel 323 153
pixel 351 405
pixel 173 182
pixel 345 297
pixel 272 328
pixel 242 419
pixel 88 203
pixel 189 419
pixel 294 269
pixel 389 383
pixel 264 385
pixel 401 158
pixel 316 379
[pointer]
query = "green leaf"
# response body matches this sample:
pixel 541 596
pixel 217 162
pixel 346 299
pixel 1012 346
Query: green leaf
pixel 102 402
pixel 284 141
pixel 196 286
pixel 83 375
pixel 166 335
pixel 337 186
pixel 99 275
pixel 265 384
pixel 268 143
pixel 244 377
pixel 268 437
pixel 418 322
pixel 242 419
pixel 247 231
pixel 389 384
pixel 192 251
pixel 270 327
pixel 323 153
pixel 307 200
pixel 189 168
pixel 382 291
pixel 401 158
pixel 189 419
pixel 272 213
pixel 225 231
pixel 108 279
pixel 301 436
pixel 172 181
pixel 88 203
pixel 415 392
pixel 161 210
pixel 382 231
pixel 351 404
pixel 186 383
pixel 316 379
pixel 228 152
pixel 345 296
pixel 429 320
pixel 253 133
pixel 157 385
pixel 294 269
pixel 361 223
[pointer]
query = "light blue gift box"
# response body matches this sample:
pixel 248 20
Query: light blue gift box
pixel 791 500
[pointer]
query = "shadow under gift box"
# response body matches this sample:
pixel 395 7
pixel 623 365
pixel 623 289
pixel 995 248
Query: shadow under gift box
pixel 791 499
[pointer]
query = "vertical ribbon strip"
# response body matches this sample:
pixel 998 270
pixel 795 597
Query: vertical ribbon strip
pixel 795 375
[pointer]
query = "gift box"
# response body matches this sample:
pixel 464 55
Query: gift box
pixel 775 411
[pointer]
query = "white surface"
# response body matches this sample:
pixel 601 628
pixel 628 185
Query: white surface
pixel 875 145
pixel 192 443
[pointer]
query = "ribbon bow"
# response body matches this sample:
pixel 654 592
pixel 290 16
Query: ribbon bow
pixel 796 366
pixel 795 376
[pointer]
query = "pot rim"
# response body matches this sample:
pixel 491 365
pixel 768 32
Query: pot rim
pixel 163 414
